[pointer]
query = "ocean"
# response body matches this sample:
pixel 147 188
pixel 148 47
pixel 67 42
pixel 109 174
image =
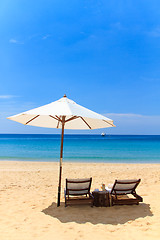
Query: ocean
pixel 81 148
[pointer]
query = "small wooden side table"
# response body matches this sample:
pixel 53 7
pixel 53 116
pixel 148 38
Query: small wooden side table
pixel 101 198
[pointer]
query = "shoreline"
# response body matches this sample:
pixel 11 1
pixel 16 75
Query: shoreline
pixel 99 134
pixel 78 162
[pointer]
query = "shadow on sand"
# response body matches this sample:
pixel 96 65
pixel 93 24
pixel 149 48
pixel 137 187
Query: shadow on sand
pixel 109 215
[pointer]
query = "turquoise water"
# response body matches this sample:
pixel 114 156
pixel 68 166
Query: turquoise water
pixel 81 148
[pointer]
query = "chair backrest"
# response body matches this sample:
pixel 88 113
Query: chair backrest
pixel 125 186
pixel 78 186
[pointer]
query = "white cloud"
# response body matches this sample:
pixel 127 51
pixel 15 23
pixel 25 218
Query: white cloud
pixel 6 96
pixel 45 37
pixel 124 115
pixel 132 123
pixel 117 26
pixel 147 79
pixel 155 32
pixel 132 116
pixel 12 40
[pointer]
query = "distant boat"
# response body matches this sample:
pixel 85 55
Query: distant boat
pixel 103 134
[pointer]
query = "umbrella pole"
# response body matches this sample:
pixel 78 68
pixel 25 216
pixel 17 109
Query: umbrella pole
pixel 61 157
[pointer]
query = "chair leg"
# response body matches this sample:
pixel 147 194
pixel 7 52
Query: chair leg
pixel 111 201
pixel 65 202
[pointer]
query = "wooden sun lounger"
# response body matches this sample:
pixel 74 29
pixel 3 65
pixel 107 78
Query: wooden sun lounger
pixel 121 189
pixel 78 192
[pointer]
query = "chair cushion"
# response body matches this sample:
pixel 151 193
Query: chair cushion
pixel 79 186
pixel 124 187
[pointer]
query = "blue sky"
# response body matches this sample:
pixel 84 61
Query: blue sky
pixel 105 55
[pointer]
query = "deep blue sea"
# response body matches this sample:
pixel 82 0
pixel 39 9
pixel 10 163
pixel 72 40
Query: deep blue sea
pixel 81 148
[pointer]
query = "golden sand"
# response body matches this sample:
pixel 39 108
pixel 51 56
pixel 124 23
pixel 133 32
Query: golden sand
pixel 28 196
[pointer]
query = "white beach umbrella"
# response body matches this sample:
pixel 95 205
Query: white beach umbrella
pixel 63 113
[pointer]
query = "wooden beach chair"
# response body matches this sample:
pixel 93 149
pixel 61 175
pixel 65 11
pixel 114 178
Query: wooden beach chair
pixel 78 192
pixel 120 190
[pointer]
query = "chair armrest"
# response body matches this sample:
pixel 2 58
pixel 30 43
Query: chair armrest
pixel 138 197
pixel 90 194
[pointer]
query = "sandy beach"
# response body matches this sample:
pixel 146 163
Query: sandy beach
pixel 28 195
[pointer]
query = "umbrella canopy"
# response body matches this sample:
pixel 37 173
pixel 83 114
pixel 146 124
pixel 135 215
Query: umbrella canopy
pixel 50 116
pixel 63 113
